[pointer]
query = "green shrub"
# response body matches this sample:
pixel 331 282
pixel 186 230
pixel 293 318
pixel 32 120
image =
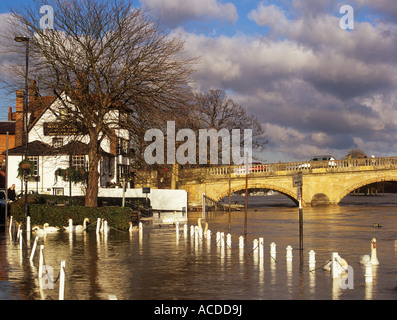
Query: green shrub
pixel 117 217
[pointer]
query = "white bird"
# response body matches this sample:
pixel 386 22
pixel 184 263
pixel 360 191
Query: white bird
pixel 132 227
pixel 39 232
pixel 77 228
pixel 200 227
pixel 373 258
pixel 343 263
pixel 49 229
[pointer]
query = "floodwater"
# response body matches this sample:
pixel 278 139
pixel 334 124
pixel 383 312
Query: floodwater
pixel 158 264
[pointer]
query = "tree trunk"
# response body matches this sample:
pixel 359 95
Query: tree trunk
pixel 91 197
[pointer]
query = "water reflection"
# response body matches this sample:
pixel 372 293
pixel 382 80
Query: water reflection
pixel 163 263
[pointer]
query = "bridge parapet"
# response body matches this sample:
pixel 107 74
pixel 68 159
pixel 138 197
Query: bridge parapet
pixel 307 167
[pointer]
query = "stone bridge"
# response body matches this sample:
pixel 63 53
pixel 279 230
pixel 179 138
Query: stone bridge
pixel 324 182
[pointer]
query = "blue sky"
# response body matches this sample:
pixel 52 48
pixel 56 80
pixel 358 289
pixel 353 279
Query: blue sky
pixel 315 88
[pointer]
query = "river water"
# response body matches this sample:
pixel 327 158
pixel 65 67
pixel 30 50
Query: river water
pixel 158 264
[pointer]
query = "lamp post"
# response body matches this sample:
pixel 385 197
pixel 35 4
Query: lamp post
pixel 25 40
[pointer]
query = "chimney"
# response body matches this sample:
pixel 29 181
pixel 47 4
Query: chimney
pixel 19 128
pixel 10 114
pixel 33 91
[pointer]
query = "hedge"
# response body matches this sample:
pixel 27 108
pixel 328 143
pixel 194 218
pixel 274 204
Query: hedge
pixel 117 217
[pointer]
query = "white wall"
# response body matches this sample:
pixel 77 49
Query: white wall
pixel 160 199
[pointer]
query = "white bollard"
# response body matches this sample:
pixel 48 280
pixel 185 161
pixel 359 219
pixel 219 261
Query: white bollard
pixel 222 239
pixel 98 225
pixel 105 226
pixel 334 265
pixel 41 261
pixel 28 224
pixel 70 225
pixel 20 239
pixel 218 238
pixel 191 231
pixel 185 230
pixel 209 234
pixel 9 229
pixel 255 246
pixel 19 229
pixel 229 239
pixel 368 272
pixel 312 259
pixel 62 280
pixel 261 247
pixel 289 253
pixel 241 242
pixel 273 250
pixel 34 248
pixel 177 227
pixel 140 226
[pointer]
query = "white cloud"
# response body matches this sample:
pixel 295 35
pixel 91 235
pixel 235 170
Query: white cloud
pixel 177 11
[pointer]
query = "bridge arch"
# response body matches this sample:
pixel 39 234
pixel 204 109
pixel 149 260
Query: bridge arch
pixel 224 191
pixel 363 183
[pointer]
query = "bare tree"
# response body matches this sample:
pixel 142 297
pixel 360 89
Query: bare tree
pixel 214 110
pixel 108 58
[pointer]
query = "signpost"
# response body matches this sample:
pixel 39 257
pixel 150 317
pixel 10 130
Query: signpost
pixel 297 182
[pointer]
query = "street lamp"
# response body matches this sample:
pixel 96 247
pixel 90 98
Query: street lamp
pixel 25 40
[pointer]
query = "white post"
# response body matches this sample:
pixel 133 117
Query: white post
pixel 62 281
pixel 312 259
pixel 334 265
pixel 34 248
pixel 273 250
pixel 209 234
pixel 20 239
pixel 229 239
pixel 105 226
pixel 191 231
pixel 28 224
pixel 9 229
pixel 255 245
pixel 241 242
pixel 368 272
pixel 98 225
pixel 222 239
pixel 177 227
pixel 41 261
pixel 185 230
pixel 261 247
pixel 203 205
pixel 19 229
pixel 289 253
pixel 218 238
pixel 70 225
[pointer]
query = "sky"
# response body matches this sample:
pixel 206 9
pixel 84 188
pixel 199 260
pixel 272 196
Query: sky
pixel 315 87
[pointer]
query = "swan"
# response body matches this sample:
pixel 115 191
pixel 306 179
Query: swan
pixel 132 227
pixel 373 259
pixel 49 229
pixel 200 227
pixel 77 228
pixel 39 232
pixel 343 263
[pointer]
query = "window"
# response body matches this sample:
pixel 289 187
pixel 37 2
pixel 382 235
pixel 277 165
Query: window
pixel 35 160
pixel 57 142
pixel 122 146
pixel 58 191
pixel 78 162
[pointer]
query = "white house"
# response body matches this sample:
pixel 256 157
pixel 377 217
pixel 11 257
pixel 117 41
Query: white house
pixel 53 146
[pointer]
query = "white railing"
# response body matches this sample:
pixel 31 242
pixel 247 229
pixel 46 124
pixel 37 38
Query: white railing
pixel 330 165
